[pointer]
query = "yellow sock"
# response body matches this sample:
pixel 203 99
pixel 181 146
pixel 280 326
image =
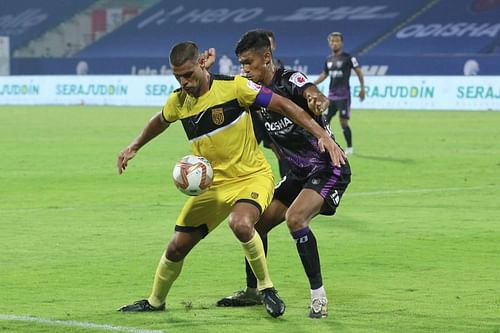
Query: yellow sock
pixel 166 273
pixel 254 251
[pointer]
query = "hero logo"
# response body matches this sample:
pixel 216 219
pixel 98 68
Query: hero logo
pixel 449 30
pixel 210 15
pixel 180 14
pixel 17 25
pixel 298 79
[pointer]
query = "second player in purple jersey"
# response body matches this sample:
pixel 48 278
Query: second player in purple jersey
pixel 338 66
pixel 315 182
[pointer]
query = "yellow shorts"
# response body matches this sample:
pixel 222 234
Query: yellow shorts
pixel 209 209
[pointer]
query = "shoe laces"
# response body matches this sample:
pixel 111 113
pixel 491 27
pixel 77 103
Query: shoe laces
pixel 318 303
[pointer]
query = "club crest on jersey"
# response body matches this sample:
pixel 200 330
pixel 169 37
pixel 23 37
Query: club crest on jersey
pixel 329 64
pixel 338 63
pixel 218 116
pixel 254 195
pixel 298 79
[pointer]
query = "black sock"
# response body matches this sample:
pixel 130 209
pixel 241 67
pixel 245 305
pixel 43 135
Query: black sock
pixel 251 279
pixel 347 135
pixel 308 252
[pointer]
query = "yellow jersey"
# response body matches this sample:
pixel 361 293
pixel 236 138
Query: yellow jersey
pixel 219 127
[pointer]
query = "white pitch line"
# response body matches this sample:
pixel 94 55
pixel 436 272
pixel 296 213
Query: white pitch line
pixel 72 323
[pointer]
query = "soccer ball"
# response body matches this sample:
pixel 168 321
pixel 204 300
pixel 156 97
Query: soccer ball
pixel 193 175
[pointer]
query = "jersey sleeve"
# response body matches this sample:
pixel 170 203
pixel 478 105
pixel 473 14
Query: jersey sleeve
pixel 296 83
pixel 354 62
pixel 249 93
pixel 325 68
pixel 170 109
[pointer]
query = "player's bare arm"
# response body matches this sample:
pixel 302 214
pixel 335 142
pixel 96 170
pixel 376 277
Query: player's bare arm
pixel 154 127
pixel 303 119
pixel 361 78
pixel 320 78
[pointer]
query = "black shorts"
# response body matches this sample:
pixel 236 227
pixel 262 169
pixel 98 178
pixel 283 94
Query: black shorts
pixel 330 184
pixel 342 105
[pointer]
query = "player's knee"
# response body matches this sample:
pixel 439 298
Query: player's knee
pixel 176 252
pixel 295 220
pixel 242 227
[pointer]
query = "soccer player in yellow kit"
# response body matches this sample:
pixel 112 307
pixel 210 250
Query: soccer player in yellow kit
pixel 214 111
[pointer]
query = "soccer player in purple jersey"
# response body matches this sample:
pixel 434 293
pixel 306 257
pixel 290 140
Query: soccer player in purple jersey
pixel 338 66
pixel 314 184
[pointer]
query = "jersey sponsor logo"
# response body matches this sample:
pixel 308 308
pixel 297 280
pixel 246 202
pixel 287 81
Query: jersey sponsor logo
pixel 254 86
pixel 218 116
pixel 298 79
pixel 336 73
pixel 278 125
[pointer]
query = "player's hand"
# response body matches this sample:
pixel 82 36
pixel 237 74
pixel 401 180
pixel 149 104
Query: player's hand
pixel 209 56
pixel 317 103
pixel 361 95
pixel 126 155
pixel 337 156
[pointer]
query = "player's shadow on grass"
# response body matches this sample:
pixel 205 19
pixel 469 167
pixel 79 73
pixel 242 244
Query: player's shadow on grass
pixel 386 158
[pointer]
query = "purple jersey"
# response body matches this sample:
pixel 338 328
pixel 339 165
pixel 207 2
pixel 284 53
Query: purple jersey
pixel 293 143
pixel 339 67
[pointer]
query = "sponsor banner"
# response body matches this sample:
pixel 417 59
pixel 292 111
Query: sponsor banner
pixel 426 92
pixel 382 92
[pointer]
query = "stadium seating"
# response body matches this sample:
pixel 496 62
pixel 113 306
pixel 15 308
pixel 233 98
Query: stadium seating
pixel 24 20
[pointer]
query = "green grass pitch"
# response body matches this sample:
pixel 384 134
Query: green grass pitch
pixel 415 246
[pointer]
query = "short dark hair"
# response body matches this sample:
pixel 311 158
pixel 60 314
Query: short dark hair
pixel 336 34
pixel 182 52
pixel 253 40
pixel 269 34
